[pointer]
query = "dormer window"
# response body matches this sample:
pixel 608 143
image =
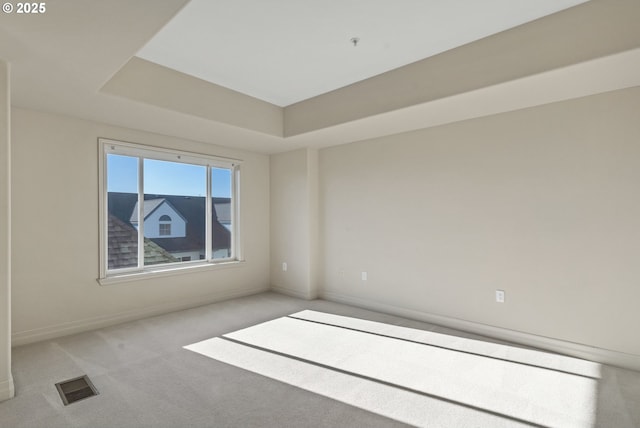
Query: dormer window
pixel 164 225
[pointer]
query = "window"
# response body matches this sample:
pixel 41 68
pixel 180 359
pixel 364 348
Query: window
pixel 165 229
pixel 164 225
pixel 161 208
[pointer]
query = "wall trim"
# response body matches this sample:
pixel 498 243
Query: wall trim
pixel 73 327
pixel 7 390
pixel 578 350
pixel 293 293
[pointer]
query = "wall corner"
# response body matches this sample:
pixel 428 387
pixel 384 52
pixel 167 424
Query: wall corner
pixel 6 380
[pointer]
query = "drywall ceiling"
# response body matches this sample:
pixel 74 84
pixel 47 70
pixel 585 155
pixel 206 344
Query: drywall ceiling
pixel 79 59
pixel 286 51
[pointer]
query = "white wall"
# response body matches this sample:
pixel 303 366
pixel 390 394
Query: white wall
pixel 294 233
pixel 6 381
pixel 543 203
pixel 55 229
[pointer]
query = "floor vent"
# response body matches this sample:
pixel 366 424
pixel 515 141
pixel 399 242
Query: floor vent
pixel 76 389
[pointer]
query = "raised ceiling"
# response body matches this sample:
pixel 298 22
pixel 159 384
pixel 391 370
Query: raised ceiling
pixel 79 59
pixel 286 51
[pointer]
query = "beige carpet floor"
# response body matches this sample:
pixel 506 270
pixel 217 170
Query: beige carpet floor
pixel 146 378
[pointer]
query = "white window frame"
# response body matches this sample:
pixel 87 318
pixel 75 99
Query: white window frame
pixel 164 229
pixel 108 146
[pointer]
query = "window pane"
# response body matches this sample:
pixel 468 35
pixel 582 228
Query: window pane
pixel 174 212
pixel 122 195
pixel 222 212
pixel 156 212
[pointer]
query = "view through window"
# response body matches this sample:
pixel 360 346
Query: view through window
pixel 165 208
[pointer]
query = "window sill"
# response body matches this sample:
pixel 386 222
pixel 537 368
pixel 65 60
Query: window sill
pixel 162 272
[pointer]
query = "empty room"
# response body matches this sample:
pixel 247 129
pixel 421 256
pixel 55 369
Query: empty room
pixel 295 213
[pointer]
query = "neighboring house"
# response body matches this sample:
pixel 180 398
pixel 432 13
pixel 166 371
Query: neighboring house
pixel 223 211
pixel 161 219
pixel 176 223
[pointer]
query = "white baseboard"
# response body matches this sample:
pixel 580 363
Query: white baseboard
pixel 7 390
pixel 578 350
pixel 73 327
pixel 293 293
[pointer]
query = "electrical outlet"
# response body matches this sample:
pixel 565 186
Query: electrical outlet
pixel 364 276
pixel 500 296
pixel 284 267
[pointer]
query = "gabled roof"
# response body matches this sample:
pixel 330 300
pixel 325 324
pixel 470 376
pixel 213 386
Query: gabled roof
pixel 149 206
pixel 192 208
pixel 223 209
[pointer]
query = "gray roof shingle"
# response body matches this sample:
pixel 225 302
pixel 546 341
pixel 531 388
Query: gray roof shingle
pixel 123 247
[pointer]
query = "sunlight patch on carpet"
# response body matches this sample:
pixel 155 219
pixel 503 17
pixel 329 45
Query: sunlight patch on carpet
pixel 414 376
